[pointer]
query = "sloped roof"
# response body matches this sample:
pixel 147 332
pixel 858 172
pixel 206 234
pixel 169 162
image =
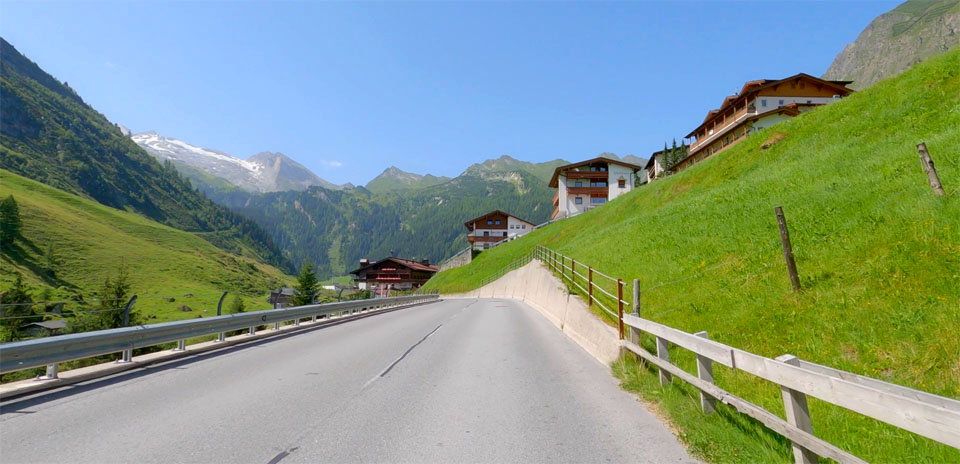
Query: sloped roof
pixel 415 265
pixel 556 172
pixel 491 213
pixel 752 87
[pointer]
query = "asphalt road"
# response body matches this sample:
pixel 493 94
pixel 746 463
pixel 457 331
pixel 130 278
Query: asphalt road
pixel 452 381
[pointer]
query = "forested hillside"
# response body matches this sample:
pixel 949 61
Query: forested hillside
pixel 335 229
pixel 49 134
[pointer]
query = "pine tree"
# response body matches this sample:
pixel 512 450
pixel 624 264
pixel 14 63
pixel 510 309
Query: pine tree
pixel 237 306
pixel 307 286
pixel 13 316
pixel 9 222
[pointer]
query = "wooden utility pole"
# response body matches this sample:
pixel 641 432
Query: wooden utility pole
pixel 787 249
pixel 928 166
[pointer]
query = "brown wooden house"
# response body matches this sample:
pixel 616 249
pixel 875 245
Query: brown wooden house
pixel 393 274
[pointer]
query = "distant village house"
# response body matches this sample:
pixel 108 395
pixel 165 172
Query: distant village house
pixel 585 185
pixel 495 226
pixel 393 274
pixel 758 105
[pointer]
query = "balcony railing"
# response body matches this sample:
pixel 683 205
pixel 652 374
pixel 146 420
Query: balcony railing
pixel 588 190
pixel 485 238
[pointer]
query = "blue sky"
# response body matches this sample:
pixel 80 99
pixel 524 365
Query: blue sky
pixel 349 89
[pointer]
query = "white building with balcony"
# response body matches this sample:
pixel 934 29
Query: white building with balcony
pixel 585 185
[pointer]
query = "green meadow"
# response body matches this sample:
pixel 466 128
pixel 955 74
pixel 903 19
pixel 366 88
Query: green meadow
pixel 168 268
pixel 878 256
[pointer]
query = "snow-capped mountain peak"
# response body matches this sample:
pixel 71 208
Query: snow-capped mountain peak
pixel 264 172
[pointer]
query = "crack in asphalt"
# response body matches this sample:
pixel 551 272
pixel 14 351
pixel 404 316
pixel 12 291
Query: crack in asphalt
pixel 405 353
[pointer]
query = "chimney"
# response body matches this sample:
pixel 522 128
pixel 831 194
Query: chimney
pixel 364 261
pixel 425 262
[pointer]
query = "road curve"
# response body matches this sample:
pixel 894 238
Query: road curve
pixel 452 381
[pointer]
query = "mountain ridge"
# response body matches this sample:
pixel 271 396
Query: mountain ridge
pixel 896 40
pixel 263 172
pixel 48 134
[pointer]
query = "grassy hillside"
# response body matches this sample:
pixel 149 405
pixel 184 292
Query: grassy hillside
pixel 878 255
pixel 89 241
pixel 47 133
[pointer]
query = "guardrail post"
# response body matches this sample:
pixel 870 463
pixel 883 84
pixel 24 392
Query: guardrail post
pixel 52 372
pixel 705 372
pixel 252 330
pixel 590 286
pixel 663 352
pixel 181 345
pixel 127 356
pixel 276 325
pixel 795 404
pixel 620 308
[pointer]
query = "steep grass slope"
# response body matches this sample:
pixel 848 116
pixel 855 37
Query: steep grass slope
pixel 89 241
pixel 878 254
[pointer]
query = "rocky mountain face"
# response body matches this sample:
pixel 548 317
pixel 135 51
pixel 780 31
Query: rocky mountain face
pixel 394 178
pixel 263 172
pixel 898 39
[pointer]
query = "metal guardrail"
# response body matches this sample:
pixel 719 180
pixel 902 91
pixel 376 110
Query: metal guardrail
pixel 49 351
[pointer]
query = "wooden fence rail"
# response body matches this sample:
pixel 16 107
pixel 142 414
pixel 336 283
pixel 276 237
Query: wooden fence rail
pixel 925 414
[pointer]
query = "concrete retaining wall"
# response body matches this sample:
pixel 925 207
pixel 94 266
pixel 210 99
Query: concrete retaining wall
pixel 460 259
pixel 536 286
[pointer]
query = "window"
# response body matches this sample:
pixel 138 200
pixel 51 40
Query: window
pixel 622 183
pixel 603 169
pixel 809 101
pixel 781 103
pixel 579 201
pixel 593 169
pixel 763 102
pixel 486 245
pixel 486 233
pixel 598 201
pixel 498 222
pixel 504 234
pixel 598 184
pixel 489 222
pixel 836 97
pixel 524 226
pixel 578 184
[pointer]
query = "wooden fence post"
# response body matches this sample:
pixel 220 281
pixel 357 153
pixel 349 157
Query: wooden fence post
pixel 590 286
pixel 663 352
pixel 705 372
pixel 787 249
pixel 795 404
pixel 635 333
pixel 928 166
pixel 573 271
pixel 620 307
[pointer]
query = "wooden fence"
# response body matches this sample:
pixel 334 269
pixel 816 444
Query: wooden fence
pixel 925 414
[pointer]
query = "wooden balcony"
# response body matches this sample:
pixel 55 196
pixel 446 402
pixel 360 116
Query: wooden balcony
pixel 485 238
pixel 587 174
pixel 588 190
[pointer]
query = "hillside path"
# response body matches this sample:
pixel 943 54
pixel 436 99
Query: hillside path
pixel 451 381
